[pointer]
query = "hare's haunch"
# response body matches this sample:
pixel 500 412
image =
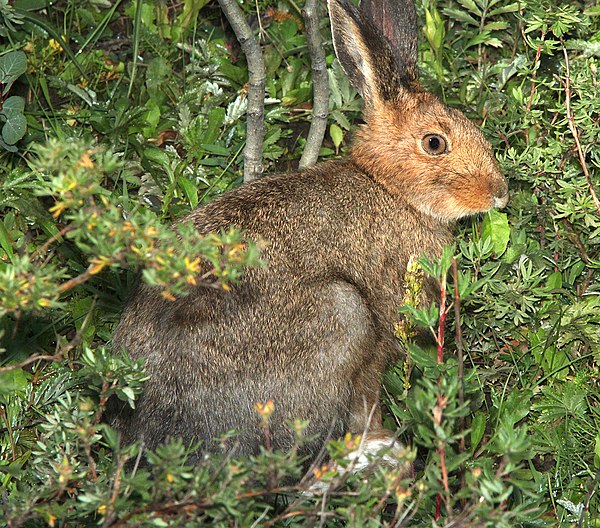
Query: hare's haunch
pixel 314 329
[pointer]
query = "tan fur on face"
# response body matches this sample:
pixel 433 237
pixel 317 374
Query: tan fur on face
pixel 464 181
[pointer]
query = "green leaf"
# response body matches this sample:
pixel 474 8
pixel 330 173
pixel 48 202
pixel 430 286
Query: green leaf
pixel 511 8
pixel 158 156
pixel 423 357
pixel 471 6
pixel 554 281
pixel 496 228
pixel 477 430
pixel 12 65
pixel 13 381
pixel 16 124
pixel 337 135
pixel 592 11
pixel 188 16
pixel 6 241
pixel 341 119
pixel 215 149
pixel 216 117
pixel 597 451
pixel 13 105
pixel 189 189
pixel 460 15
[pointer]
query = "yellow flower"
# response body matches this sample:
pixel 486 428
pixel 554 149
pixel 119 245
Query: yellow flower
pixel 402 494
pixel 265 409
pixel 319 472
pixel 98 264
pixel 44 303
pixel 86 161
pixel 168 296
pixel 352 442
pixel 57 209
pixel 54 45
pixel 192 265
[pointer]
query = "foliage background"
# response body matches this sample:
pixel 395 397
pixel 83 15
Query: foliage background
pixel 134 114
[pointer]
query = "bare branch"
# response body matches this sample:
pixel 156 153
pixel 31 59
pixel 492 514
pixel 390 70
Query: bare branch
pixel 320 109
pixel 255 127
pixel 31 359
pixel 575 132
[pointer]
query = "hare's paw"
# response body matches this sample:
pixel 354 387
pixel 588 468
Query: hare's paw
pixel 378 449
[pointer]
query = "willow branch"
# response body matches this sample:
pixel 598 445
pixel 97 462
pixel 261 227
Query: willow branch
pixel 255 126
pixel 320 80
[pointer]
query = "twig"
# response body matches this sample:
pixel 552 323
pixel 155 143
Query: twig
pixel 193 506
pixel 255 126
pixel 573 128
pixel 461 363
pixel 110 513
pixel 42 249
pixel 536 64
pixel 586 506
pixel 320 109
pixel 35 357
pixel 442 323
pixel 441 401
pixel 76 281
pixel 10 432
pixel 459 343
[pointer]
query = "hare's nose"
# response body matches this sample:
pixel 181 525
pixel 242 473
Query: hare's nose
pixel 500 193
pixel 501 201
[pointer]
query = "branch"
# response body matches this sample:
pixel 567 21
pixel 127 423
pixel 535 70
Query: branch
pixel 459 343
pixel 42 249
pixel 536 64
pixel 255 126
pixel 76 281
pixel 574 132
pixel 35 357
pixel 320 109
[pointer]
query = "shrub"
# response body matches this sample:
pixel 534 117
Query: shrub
pixel 501 414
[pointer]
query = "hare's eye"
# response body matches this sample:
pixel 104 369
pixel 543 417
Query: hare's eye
pixel 434 144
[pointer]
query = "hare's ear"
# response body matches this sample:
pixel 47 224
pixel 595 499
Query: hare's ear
pixel 397 20
pixel 366 54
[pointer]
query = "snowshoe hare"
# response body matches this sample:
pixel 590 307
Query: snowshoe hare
pixel 314 329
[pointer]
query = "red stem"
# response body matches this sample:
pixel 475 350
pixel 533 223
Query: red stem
pixel 442 323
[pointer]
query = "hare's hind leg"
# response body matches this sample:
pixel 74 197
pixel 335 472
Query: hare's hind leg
pixel 365 410
pixel 378 445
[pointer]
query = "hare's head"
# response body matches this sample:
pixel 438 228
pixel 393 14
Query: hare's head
pixel 412 143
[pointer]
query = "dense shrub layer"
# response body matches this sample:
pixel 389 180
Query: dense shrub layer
pixel 120 117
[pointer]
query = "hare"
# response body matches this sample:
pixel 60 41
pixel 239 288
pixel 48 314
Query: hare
pixel 313 331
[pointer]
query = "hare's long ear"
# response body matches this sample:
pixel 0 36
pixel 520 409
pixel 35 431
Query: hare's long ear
pixel 397 20
pixel 365 50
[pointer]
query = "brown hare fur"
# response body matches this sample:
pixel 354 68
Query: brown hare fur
pixel 314 329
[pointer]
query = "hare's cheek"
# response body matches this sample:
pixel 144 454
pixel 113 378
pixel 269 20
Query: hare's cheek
pixel 443 206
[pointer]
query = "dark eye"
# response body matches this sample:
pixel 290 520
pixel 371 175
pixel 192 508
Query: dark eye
pixel 434 144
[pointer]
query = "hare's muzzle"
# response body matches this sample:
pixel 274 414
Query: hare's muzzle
pixel 500 193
